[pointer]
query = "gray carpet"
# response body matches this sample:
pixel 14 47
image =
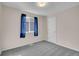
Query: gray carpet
pixel 41 49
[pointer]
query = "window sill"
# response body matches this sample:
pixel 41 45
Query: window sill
pixel 30 32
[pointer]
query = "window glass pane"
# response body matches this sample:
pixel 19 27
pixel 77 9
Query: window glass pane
pixel 27 26
pixel 31 26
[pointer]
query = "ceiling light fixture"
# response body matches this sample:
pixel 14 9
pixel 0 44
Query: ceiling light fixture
pixel 41 4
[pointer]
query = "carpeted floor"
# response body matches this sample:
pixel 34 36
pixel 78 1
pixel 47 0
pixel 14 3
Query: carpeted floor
pixel 41 49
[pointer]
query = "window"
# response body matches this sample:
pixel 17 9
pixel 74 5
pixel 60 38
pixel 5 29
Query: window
pixel 29 25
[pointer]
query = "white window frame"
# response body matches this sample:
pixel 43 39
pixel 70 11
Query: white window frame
pixel 28 19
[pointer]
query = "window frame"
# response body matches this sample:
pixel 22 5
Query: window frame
pixel 28 19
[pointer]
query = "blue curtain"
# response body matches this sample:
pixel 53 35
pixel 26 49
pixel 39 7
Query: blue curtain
pixel 35 26
pixel 23 26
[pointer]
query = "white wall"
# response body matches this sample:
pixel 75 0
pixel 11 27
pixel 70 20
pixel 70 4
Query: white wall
pixel 0 28
pixel 11 29
pixel 67 25
pixel 51 29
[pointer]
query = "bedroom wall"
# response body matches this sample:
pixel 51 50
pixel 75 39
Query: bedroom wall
pixel 67 24
pixel 0 28
pixel 11 29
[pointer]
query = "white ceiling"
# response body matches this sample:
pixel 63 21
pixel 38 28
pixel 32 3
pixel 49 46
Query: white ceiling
pixel 50 8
